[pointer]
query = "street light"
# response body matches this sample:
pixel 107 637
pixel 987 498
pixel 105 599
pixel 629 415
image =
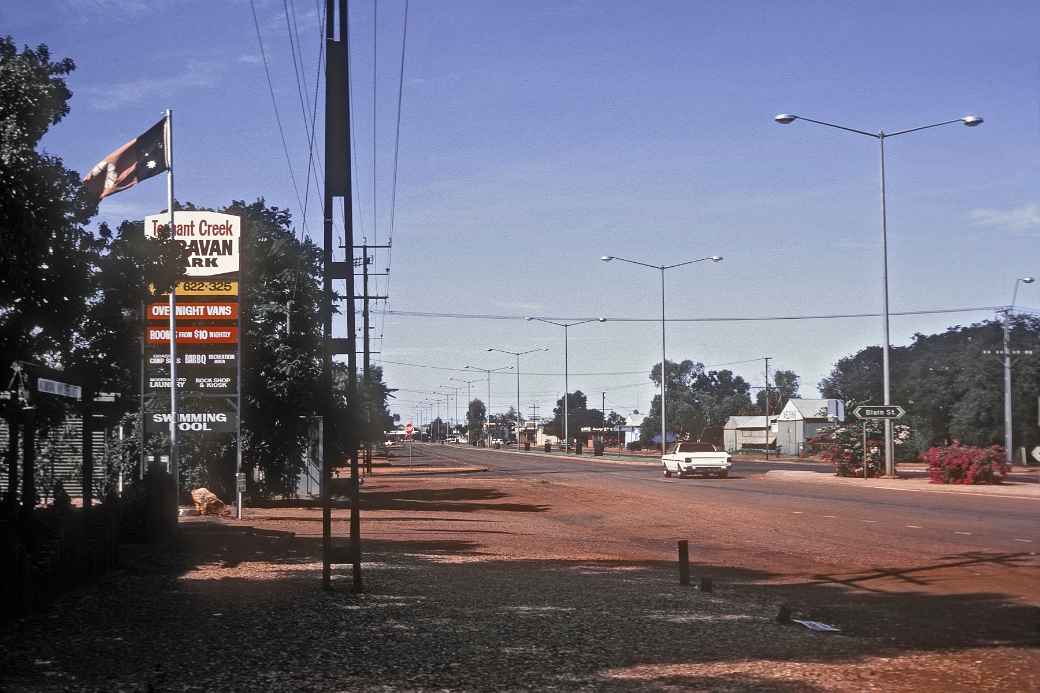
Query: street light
pixel 1008 436
pixel 487 408
pixel 968 121
pixel 518 354
pixel 662 268
pixel 566 386
pixel 469 398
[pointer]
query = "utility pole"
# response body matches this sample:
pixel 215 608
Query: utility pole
pixel 365 338
pixel 767 405
pixel 338 184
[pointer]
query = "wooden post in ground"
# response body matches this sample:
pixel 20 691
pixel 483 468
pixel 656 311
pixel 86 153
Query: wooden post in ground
pixel 684 562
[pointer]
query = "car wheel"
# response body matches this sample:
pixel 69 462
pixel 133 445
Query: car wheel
pixel 667 473
pixel 724 474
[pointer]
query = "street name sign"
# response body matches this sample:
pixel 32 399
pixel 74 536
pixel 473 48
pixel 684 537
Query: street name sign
pixel 885 411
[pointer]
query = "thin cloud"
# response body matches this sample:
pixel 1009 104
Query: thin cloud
pixel 1019 219
pixel 111 97
pixel 250 59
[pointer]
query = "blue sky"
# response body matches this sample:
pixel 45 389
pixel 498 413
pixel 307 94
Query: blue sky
pixel 537 136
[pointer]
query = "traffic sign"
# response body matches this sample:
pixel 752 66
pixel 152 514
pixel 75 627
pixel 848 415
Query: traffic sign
pixel 1036 453
pixel 885 411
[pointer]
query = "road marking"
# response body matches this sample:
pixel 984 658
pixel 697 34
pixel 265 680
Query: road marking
pixel 1025 541
pixel 914 526
pixel 871 522
pixel 829 516
pixel 967 534
pixel 796 512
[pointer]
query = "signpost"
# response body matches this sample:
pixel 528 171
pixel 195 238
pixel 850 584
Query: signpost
pixel 207 325
pixel 881 412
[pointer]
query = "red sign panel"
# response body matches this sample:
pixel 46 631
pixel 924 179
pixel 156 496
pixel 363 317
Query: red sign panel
pixel 194 335
pixel 190 310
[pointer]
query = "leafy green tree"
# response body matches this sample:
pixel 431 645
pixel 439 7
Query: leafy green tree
pixel 475 413
pixel 699 401
pixel 578 415
pixel 46 258
pixel 951 387
pixel 783 388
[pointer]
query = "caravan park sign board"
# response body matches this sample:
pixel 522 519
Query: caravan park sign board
pixel 208 326
pixel 212 240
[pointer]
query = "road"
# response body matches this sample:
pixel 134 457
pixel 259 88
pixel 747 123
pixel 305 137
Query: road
pixel 868 537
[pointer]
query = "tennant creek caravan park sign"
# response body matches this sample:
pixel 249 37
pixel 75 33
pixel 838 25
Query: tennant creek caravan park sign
pixel 211 239
pixel 207 333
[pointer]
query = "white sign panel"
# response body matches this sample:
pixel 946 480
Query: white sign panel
pixel 212 239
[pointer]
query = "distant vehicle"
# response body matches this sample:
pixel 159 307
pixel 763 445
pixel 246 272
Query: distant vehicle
pixel 496 442
pixel 687 459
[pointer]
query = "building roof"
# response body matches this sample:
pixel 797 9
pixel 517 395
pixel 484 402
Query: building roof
pixel 811 408
pixel 747 421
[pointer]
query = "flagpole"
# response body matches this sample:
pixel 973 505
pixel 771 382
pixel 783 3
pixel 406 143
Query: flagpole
pixel 174 462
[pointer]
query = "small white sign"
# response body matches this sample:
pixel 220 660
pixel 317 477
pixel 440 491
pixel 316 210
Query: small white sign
pixel 56 387
pixel 1036 453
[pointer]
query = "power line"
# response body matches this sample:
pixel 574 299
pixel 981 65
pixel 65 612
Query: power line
pixel 290 23
pixel 393 188
pixel 274 102
pixel 831 316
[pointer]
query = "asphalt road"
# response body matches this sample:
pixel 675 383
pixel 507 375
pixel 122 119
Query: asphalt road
pixel 919 539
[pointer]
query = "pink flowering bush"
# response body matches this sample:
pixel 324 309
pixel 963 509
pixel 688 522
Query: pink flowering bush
pixel 965 464
pixel 842 446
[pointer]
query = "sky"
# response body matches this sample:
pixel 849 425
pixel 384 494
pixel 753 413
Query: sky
pixel 537 136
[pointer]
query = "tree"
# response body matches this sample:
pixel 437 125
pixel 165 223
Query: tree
pixel 784 388
pixel 68 298
pixel 475 414
pixel 951 387
pixel 699 401
pixel 578 415
pixel 45 262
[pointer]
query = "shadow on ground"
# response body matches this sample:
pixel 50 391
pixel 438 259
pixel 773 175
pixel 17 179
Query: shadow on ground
pixel 242 608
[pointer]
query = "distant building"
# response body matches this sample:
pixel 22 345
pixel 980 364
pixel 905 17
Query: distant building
pixel 743 432
pixel 802 419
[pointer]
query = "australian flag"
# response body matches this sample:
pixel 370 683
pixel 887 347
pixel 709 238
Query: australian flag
pixel 137 160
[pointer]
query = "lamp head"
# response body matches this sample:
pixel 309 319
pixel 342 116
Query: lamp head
pixel 785 118
pixel 607 258
pixel 529 319
pixel 716 258
pixel 490 349
pixel 1027 280
pixel 601 319
pixel 971 120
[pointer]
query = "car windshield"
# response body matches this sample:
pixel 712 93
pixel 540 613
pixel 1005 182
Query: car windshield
pixel 695 447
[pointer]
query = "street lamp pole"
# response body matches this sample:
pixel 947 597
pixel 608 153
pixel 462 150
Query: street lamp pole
pixel 487 408
pixel 518 354
pixel 662 268
pixel 469 398
pixel 566 384
pixel 880 136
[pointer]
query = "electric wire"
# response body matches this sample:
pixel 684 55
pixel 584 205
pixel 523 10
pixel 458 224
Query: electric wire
pixel 290 21
pixel 274 102
pixel 763 318
pixel 393 187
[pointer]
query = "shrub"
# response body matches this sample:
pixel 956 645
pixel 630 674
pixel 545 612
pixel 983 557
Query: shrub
pixel 965 464
pixel 843 447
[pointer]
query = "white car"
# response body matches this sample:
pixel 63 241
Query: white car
pixel 688 458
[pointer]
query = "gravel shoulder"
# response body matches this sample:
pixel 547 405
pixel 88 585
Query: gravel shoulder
pixel 492 584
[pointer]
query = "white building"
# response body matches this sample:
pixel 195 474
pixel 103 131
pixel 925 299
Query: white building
pixel 749 432
pixel 801 419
